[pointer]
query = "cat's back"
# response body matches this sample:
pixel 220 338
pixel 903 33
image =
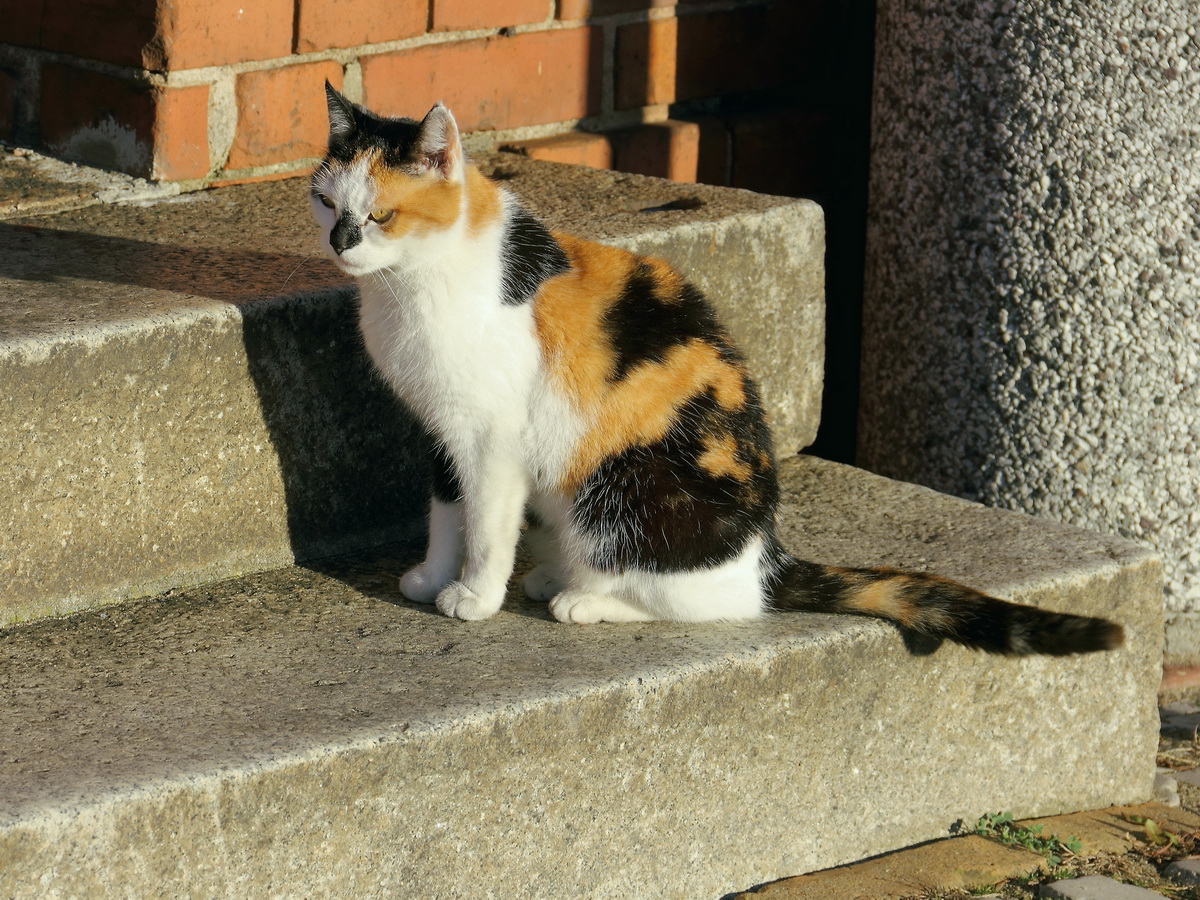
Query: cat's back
pixel 640 351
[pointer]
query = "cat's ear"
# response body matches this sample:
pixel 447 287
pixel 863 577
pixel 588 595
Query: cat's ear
pixel 438 146
pixel 341 115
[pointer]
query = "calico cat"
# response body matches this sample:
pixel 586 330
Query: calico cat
pixel 593 392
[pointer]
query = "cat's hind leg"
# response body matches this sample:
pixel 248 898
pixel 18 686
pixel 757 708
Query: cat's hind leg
pixel 729 591
pixel 594 596
pixel 583 607
pixel 546 579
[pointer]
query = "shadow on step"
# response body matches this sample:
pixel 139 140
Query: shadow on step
pixel 351 460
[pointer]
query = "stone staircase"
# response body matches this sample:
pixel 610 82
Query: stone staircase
pixel 187 415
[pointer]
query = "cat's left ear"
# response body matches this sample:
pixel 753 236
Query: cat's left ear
pixel 341 114
pixel 438 144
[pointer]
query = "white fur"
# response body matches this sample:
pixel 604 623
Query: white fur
pixel 470 367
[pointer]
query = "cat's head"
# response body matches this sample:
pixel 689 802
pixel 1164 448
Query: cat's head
pixel 388 188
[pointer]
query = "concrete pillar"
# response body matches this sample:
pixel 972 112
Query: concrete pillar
pixel 1031 333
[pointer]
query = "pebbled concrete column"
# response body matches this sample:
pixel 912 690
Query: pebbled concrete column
pixel 1030 325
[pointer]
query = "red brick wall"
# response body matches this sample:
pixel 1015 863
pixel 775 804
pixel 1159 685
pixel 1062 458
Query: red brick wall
pixel 225 90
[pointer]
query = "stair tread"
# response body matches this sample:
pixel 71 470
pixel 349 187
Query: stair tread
pixel 313 668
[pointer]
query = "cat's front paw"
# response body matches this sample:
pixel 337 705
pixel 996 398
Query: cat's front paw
pixel 542 583
pixel 418 586
pixel 460 602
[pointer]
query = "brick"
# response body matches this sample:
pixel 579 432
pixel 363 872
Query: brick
pixel 322 24
pixel 114 123
pixel 783 151
pixel 645 63
pixel 494 83
pixel 664 149
pixel 582 9
pixel 22 22
pixel 97 119
pixel 197 33
pixel 462 15
pixel 578 148
pixel 169 35
pixel 745 49
pixel 127 28
pixel 181 133
pixel 282 114
pixel 715 163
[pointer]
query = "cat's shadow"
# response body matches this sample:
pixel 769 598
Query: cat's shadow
pixel 376 575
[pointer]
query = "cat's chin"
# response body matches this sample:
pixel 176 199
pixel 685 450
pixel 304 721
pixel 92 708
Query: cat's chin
pixel 356 269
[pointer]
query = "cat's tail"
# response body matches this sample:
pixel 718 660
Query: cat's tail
pixel 938 608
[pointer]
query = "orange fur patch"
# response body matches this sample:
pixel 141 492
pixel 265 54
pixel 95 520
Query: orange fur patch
pixel 883 599
pixel 719 459
pixel 569 315
pixel 421 202
pixel 641 407
pixel 483 200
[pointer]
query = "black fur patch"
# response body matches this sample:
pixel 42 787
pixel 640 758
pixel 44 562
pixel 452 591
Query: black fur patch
pixel 531 256
pixel 661 512
pixel 446 486
pixel 643 327
pixel 353 130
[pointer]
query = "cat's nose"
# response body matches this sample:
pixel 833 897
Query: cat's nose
pixel 345 234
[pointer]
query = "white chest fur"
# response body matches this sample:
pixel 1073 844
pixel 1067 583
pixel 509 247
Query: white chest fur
pixel 469 366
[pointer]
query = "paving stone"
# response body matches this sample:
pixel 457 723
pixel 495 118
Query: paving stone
pixel 1185 871
pixel 969 862
pixel 1183 725
pixel 1096 887
pixel 1166 788
pixel 1179 708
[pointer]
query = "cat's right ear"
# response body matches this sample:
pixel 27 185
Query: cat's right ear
pixel 341 115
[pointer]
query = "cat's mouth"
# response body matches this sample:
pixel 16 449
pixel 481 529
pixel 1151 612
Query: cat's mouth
pixel 347 262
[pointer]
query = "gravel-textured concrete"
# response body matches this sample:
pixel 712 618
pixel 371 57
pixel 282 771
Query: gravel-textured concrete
pixel 307 733
pixel 184 397
pixel 1030 322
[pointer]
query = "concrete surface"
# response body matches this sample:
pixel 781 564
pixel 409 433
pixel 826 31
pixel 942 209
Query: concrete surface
pixel 185 398
pixel 33 183
pixel 1031 285
pixel 307 733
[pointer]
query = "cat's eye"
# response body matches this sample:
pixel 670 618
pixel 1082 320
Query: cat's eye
pixel 381 215
pixel 325 201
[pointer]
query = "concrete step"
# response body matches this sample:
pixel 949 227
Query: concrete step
pixel 183 396
pixel 306 733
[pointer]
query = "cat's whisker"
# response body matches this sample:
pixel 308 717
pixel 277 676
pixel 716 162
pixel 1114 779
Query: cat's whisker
pixel 306 258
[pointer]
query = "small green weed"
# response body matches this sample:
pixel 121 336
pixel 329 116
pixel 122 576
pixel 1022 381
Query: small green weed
pixel 1001 827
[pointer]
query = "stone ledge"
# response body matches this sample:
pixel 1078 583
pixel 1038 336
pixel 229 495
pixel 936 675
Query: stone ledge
pixel 186 399
pixel 305 731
